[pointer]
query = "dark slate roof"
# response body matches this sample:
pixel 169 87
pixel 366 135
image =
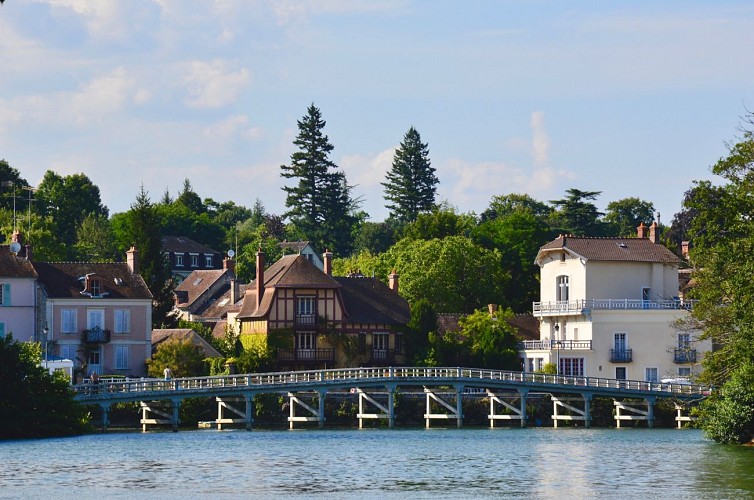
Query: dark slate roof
pixel 181 244
pixel 13 266
pixel 369 300
pixel 160 335
pixel 61 279
pixel 199 281
pixel 611 249
pixel 296 271
pixel 219 307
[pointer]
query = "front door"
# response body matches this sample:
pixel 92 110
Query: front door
pixel 94 362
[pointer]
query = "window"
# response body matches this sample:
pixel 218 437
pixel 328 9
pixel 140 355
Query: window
pixel 5 294
pixel 650 374
pixel 380 341
pixel 398 343
pixel 684 341
pixel 95 318
pixel 178 260
pixel 620 372
pixel 571 367
pixel 2 329
pixel 122 321
pixel 94 360
pixel 68 321
pixel 94 288
pixel 207 261
pixel 620 342
pixel 561 293
pixel 194 261
pixel 121 357
pixel 305 306
pixel 684 371
pixel 68 352
pixel 307 341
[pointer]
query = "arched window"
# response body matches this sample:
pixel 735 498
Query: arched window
pixel 561 293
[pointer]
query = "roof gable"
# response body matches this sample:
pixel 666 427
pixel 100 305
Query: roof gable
pixel 610 249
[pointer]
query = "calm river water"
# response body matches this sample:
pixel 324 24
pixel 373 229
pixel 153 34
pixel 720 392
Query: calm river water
pixel 415 463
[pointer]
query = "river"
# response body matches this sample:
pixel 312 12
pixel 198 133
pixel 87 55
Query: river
pixel 398 463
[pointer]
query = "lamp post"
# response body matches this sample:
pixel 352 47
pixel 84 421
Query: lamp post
pixel 46 332
pixel 557 346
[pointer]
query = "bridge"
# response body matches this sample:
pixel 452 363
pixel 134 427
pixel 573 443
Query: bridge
pixel 444 389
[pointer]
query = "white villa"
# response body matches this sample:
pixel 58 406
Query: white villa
pixel 607 309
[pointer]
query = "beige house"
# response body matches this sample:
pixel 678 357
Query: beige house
pixel 322 321
pixel 608 309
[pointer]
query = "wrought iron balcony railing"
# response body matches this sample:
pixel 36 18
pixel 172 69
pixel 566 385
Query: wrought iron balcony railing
pixel 306 320
pixel 96 334
pixel 621 355
pixel 304 355
pixel 684 356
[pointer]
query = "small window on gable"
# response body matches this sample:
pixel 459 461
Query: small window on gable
pixel 562 257
pixel 95 287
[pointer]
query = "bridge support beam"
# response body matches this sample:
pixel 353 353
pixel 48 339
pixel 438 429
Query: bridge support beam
pixel 244 416
pixel 386 412
pixel 170 416
pixel 576 413
pixel 680 418
pixel 515 413
pixel 452 414
pixel 634 411
pixel 316 415
pixel 105 416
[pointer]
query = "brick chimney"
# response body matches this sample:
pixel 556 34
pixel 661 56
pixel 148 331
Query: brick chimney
pixel 327 259
pixel 392 281
pixel 229 264
pixel 654 232
pixel 234 290
pixel 260 276
pixel 685 249
pixel 641 231
pixel 132 259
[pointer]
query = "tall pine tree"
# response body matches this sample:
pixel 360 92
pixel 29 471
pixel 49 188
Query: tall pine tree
pixel 319 204
pixel 411 183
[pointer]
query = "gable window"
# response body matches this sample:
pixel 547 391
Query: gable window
pixel 122 321
pixel 194 261
pixel 4 294
pixel 561 292
pixel 305 313
pixel 121 357
pixel 178 260
pixel 207 261
pixel 68 321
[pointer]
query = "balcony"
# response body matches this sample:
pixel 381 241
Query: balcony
pixel 576 307
pixel 96 335
pixel 684 356
pixel 546 345
pixel 621 355
pixel 305 320
pixel 307 355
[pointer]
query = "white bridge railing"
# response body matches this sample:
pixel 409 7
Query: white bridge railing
pixel 473 377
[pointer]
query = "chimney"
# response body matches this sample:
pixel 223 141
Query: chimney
pixel 234 291
pixel 328 262
pixel 641 231
pixel 132 259
pixel 654 232
pixel 393 281
pixel 17 237
pixel 492 308
pixel 685 249
pixel 260 276
pixel 229 264
pixel 28 252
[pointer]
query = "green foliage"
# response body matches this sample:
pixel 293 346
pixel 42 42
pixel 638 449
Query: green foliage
pixel 95 240
pixel 33 403
pixel 183 357
pixel 549 369
pixel 501 206
pixel 364 263
pixel 492 338
pixel 441 222
pixel 11 184
pixel 416 337
pixel 411 183
pixel 625 215
pixel 576 214
pixel 727 416
pixel 453 273
pixel 374 237
pixel 320 203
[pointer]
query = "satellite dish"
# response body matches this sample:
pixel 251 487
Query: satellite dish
pixel 15 247
pixel 231 253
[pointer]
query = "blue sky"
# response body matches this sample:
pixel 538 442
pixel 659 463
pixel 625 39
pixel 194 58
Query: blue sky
pixel 628 98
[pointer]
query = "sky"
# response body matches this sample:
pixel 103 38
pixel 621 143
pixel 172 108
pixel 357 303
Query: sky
pixel 633 99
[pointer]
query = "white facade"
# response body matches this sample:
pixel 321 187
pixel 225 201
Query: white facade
pixel 608 309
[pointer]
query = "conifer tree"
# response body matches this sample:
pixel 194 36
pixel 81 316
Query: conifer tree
pixel 319 204
pixel 411 184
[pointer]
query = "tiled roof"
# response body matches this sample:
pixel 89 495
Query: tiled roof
pixel 369 300
pixel 62 279
pixel 181 244
pixel 612 249
pixel 160 335
pixel 219 308
pixel 199 281
pixel 297 271
pixel 13 266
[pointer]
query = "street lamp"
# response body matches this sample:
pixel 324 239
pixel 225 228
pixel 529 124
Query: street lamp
pixel 46 331
pixel 557 344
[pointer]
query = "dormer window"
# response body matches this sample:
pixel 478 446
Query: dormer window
pixel 95 287
pixel 194 261
pixel 208 261
pixel 178 260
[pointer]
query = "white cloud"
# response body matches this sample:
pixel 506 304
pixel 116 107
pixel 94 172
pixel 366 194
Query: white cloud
pixel 231 128
pixel 366 171
pixel 213 85
pixel 104 18
pixel 540 139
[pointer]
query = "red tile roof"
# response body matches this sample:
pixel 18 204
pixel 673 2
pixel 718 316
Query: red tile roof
pixel 64 279
pixel 611 249
pixel 13 266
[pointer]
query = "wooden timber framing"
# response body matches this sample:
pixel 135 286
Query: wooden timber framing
pixel 229 404
pixel 452 414
pixel 386 412
pixel 680 418
pixel 634 411
pixel 170 415
pixel 516 413
pixel 575 413
pixel 317 415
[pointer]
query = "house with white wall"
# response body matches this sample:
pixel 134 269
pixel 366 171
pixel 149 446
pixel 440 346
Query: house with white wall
pixel 98 314
pixel 18 293
pixel 609 308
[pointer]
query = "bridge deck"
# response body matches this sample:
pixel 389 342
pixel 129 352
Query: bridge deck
pixel 106 393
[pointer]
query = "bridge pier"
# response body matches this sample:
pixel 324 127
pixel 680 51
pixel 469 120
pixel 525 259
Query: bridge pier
pixel 635 413
pixel 105 416
pixel 453 413
pixel 387 413
pixel 680 418
pixel 516 413
pixel 576 413
pixel 169 416
pixel 227 403
pixel 318 415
